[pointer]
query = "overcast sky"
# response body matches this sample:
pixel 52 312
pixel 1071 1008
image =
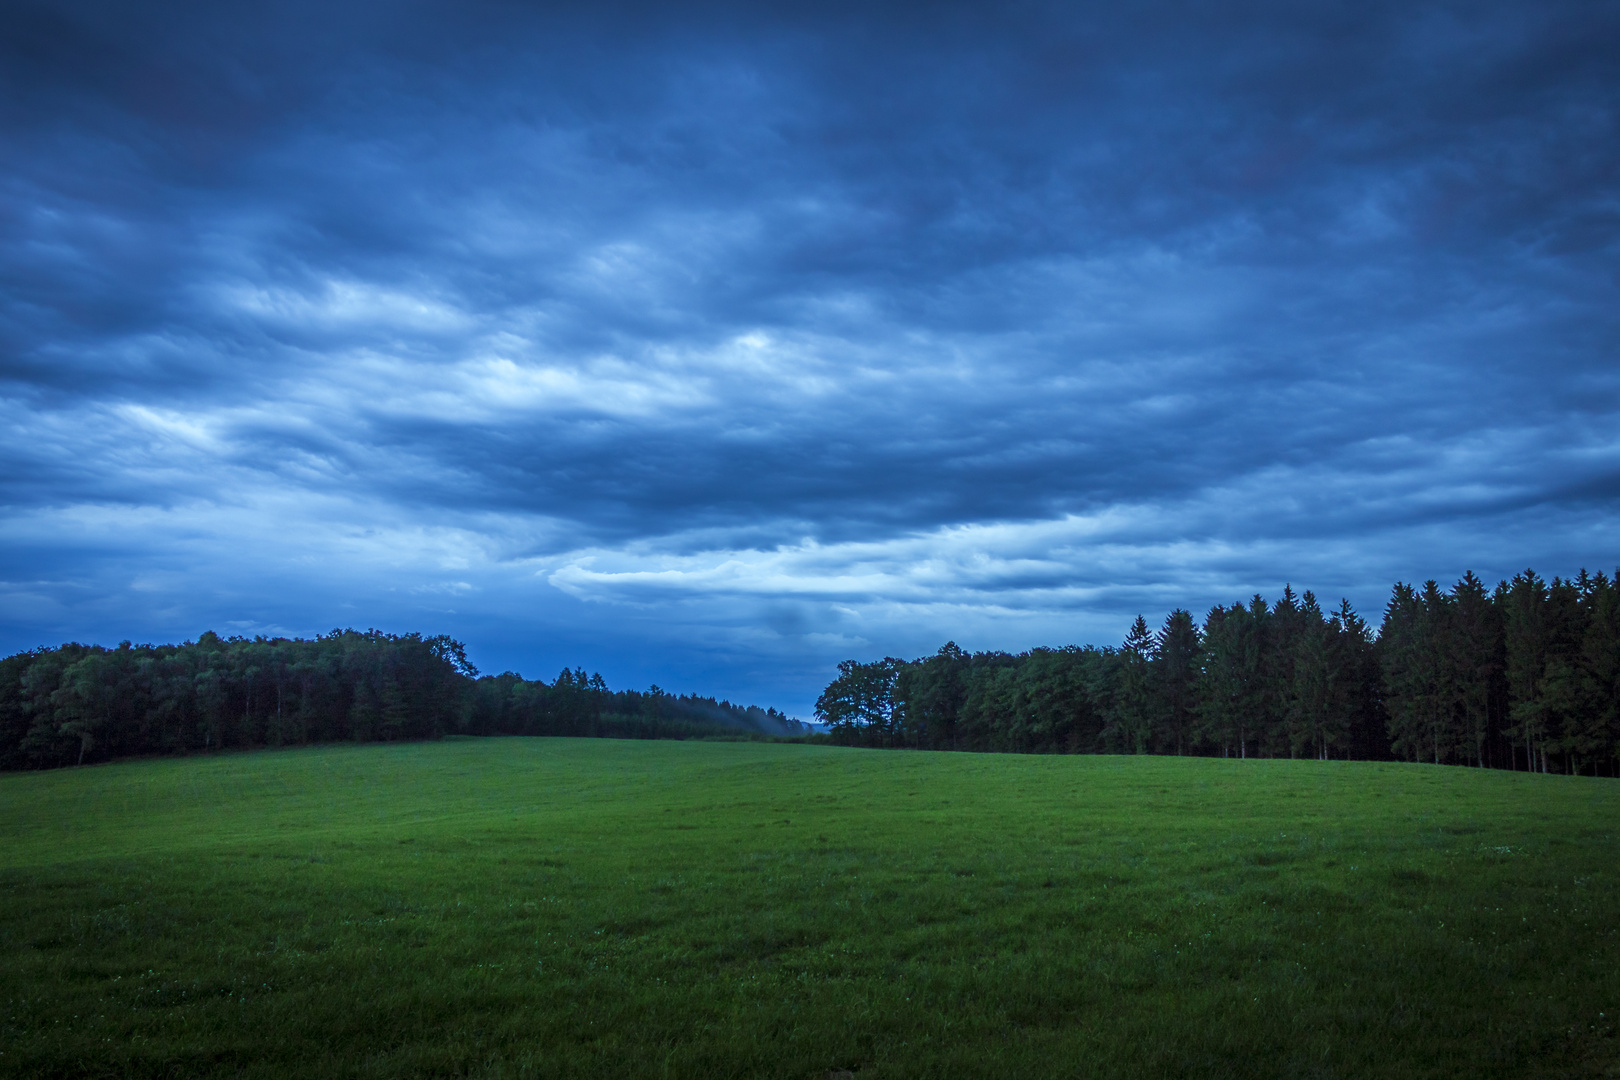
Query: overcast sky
pixel 710 345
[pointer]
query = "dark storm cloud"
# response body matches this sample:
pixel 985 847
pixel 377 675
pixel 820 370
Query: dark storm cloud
pixel 778 333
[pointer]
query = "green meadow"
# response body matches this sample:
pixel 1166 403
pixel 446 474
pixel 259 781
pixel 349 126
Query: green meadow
pixel 556 907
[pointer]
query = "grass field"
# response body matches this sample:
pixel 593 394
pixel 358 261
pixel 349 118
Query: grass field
pixel 548 907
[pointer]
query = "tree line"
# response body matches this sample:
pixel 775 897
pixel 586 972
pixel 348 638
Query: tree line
pixel 1525 676
pixel 78 704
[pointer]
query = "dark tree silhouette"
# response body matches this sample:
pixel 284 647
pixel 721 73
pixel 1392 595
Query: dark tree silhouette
pixel 1527 676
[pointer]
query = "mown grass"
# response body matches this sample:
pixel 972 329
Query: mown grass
pixel 550 907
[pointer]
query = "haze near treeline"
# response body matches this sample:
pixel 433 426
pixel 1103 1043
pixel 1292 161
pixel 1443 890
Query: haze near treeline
pixel 711 346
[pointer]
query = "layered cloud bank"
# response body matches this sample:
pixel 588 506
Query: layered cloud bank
pixel 709 348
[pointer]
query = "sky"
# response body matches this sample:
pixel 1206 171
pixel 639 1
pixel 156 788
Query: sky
pixel 708 345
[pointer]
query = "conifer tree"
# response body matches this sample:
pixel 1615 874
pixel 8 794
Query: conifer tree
pixel 1317 710
pixel 1523 603
pixel 1599 705
pixel 1563 708
pixel 1231 684
pixel 1279 638
pixel 1175 670
pixel 1400 649
pixel 1368 732
pixel 1132 727
pixel 1477 663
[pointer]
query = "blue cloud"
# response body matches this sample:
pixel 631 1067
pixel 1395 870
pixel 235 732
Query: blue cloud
pixel 710 347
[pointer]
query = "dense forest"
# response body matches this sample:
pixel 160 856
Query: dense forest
pixel 84 703
pixel 1525 676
